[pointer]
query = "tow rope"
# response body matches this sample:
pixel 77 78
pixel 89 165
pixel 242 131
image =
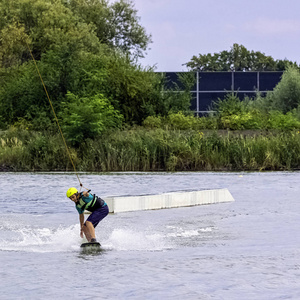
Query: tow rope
pixel 56 119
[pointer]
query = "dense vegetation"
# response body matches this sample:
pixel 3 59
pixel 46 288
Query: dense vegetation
pixel 153 150
pixel 87 52
pixel 117 115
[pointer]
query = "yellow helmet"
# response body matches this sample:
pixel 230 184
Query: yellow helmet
pixel 71 191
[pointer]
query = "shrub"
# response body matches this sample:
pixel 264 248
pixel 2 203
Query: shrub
pixel 180 121
pixel 230 105
pixel 286 95
pixel 87 117
pixel 244 120
pixel 153 122
pixel 278 120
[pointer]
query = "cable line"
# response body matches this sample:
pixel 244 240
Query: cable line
pixel 56 119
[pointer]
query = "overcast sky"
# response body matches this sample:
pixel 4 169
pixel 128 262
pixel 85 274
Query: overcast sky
pixel 183 28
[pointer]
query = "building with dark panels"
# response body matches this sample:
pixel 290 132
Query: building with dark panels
pixel 209 86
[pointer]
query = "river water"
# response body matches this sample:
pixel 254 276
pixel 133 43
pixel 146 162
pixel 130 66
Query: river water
pixel 247 249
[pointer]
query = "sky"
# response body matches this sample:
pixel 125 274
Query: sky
pixel 181 29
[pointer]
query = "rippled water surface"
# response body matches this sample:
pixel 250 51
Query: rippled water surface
pixel 247 249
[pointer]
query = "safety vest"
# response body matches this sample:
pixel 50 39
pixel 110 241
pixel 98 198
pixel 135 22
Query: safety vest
pixel 83 205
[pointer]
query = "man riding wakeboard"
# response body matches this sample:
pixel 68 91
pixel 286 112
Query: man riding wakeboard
pixel 86 201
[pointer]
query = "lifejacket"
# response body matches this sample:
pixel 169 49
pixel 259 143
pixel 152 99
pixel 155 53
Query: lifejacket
pixel 94 204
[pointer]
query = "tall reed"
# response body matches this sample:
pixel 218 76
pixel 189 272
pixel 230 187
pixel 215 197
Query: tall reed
pixel 174 150
pixel 142 149
pixel 33 151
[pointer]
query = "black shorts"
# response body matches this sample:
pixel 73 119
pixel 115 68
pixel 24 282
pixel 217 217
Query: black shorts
pixel 97 215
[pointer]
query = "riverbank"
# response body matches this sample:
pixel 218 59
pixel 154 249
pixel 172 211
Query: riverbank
pixel 142 149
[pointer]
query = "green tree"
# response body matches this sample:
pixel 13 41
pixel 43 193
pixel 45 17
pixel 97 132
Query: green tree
pixel 132 89
pixel 237 59
pixel 286 95
pixel 116 25
pixel 45 25
pixel 83 24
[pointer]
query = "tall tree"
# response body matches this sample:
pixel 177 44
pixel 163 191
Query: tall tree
pixel 116 25
pixel 84 24
pixel 45 25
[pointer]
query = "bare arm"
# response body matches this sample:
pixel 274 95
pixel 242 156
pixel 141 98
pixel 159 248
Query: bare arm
pixel 81 221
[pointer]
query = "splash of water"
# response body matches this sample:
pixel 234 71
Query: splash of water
pixel 130 240
pixel 21 237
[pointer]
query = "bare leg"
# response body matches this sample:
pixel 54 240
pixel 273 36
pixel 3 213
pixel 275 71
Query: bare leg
pixel 89 230
pixel 86 233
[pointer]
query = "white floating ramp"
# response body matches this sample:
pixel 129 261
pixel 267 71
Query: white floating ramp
pixel 167 200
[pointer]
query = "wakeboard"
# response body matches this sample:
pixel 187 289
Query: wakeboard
pixel 90 246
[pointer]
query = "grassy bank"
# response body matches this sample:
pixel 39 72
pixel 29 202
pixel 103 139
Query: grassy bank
pixel 153 150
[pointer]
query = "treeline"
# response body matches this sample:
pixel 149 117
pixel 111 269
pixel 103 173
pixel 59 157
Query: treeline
pixel 238 58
